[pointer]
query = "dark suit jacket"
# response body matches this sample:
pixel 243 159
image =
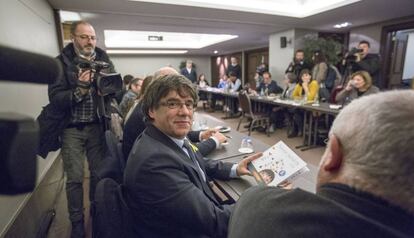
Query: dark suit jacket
pixel 166 195
pixel 336 211
pixel 135 125
pixel 271 88
pixel 191 76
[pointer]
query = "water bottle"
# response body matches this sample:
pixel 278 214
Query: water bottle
pixel 316 101
pixel 261 92
pixel 304 98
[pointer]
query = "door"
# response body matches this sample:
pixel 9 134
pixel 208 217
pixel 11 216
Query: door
pixel 399 47
pixel 254 59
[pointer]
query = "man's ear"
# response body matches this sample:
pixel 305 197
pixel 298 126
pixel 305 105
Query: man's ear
pixel 151 113
pixel 333 160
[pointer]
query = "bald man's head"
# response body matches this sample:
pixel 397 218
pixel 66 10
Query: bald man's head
pixel 164 71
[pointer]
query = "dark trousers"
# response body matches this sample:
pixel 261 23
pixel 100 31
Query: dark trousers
pixel 77 143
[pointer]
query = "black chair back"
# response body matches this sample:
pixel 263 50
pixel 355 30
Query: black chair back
pixel 245 104
pixel 111 216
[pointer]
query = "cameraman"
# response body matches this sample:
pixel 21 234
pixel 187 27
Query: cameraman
pixel 74 95
pixel 298 64
pixel 367 62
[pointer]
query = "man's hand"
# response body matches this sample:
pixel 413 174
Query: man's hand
pixel 85 80
pixel 357 57
pixel 85 76
pixel 204 135
pixel 220 137
pixel 242 166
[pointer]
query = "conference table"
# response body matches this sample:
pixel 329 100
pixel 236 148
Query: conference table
pixel 312 111
pixel 230 153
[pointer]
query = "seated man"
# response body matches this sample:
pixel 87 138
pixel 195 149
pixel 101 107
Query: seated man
pixel 135 125
pixel 364 186
pixel 167 180
pixel 268 86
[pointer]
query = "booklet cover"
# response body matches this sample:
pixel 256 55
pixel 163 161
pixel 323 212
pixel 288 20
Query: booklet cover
pixel 278 164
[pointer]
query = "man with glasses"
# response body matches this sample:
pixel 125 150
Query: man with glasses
pixel 74 96
pixel 167 180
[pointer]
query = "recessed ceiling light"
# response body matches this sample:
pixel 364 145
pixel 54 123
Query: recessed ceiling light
pixel 215 52
pixel 342 25
pixel 66 16
pixel 292 8
pixel 147 52
pixel 170 40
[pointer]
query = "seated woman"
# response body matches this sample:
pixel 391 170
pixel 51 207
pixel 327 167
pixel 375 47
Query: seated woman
pixel 359 85
pixel 223 84
pixel 306 89
pixel 202 83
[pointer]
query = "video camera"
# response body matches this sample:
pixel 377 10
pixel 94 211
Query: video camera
pixel 350 56
pixel 261 69
pixel 19 138
pixel 106 83
pixel 355 50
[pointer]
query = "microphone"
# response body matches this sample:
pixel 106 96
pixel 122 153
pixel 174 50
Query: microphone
pixel 23 66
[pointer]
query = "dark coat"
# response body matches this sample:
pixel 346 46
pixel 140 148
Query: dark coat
pixel 191 76
pixel 335 211
pixel 235 69
pixel 167 196
pixel 371 64
pixel 55 117
pixel 296 67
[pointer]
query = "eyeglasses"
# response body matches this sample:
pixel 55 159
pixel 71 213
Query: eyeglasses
pixel 178 105
pixel 86 37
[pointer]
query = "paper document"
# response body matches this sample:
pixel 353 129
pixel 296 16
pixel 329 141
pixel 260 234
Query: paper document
pixel 278 164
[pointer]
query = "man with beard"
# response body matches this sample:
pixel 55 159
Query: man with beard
pixel 298 64
pixel 74 96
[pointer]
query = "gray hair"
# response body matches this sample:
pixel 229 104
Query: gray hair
pixel 75 25
pixel 376 134
pixel 160 87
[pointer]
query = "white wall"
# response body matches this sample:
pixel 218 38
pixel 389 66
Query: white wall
pixel 142 66
pixel 279 58
pixel 370 33
pixel 409 58
pixel 29 26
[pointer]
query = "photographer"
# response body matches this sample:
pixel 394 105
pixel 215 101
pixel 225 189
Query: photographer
pixel 361 59
pixel 298 63
pixel 76 96
pixel 258 77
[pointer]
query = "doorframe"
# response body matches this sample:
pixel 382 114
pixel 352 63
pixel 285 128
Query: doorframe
pixel 386 47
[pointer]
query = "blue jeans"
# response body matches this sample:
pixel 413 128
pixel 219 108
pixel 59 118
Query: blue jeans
pixel 76 144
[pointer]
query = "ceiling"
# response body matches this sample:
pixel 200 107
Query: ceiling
pixel 253 29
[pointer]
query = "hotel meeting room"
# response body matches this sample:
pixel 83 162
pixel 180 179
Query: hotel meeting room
pixel 196 118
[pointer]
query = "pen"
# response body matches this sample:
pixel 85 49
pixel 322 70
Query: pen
pixel 228 136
